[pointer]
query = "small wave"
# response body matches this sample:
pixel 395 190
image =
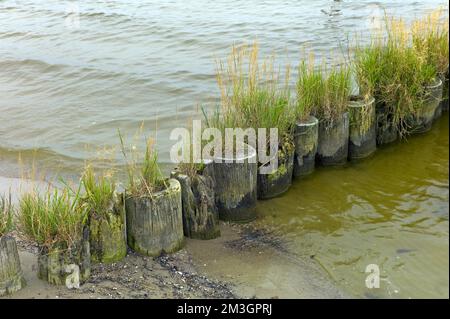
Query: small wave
pixel 42 66
pixel 12 35
pixel 112 19
pixel 14 152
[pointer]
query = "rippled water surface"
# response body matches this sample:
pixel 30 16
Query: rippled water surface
pixel 391 210
pixel 67 85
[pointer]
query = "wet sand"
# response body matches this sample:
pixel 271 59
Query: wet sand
pixel 135 277
pixel 245 262
pixel 259 265
pixel 231 266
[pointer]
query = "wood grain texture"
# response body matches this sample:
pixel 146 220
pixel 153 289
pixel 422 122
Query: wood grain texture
pixel 155 224
pixel 333 142
pixel 200 214
pixel 306 138
pixel 11 276
pixel 236 188
pixel 52 263
pixel 107 238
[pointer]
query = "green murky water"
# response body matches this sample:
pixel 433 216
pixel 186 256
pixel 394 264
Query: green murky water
pixel 390 210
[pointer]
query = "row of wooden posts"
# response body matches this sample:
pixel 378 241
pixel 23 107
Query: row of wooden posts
pixel 191 206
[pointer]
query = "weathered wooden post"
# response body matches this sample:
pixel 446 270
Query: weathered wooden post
pixel 200 214
pixel 108 234
pixel 306 138
pixel 154 221
pixel 235 185
pixel 422 121
pixel 333 141
pixel 279 178
pixel 58 264
pixel 11 276
pixel 363 136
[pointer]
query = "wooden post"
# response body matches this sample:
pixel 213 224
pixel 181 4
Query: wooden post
pixel 333 141
pixel 235 186
pixel 200 215
pixel 306 138
pixel 107 234
pixel 155 224
pixel 11 276
pixel 423 121
pixel 54 263
pixel 279 180
pixel 386 130
pixel 363 136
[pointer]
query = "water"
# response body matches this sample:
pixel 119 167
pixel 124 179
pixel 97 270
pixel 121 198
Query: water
pixel 67 85
pixel 66 89
pixel 391 210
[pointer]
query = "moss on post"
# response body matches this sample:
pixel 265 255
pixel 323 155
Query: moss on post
pixel 55 263
pixel 107 234
pixel 11 276
pixel 362 137
pixel 279 180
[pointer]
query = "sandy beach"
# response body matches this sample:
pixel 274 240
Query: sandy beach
pixel 245 262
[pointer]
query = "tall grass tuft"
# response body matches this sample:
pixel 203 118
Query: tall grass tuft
pixel 430 39
pixel 395 72
pixel 367 68
pixel 99 192
pixel 254 94
pixel 6 215
pixel 52 218
pixel 190 167
pixel 146 178
pixel 322 91
pixel 309 89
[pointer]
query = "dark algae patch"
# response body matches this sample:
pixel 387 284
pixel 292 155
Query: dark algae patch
pixel 253 238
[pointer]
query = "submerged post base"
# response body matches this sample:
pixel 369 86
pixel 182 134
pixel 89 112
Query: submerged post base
pixel 333 142
pixel 306 138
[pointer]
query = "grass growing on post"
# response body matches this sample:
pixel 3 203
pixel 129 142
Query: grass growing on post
pixel 190 167
pixel 405 74
pixel 223 117
pixel 322 91
pixel 309 90
pixel 99 192
pixel 52 218
pixel 6 215
pixel 367 68
pixel 146 178
pixel 430 39
pixel 253 94
pixel 395 72
pixel 367 72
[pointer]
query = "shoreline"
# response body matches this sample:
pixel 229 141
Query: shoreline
pixel 219 268
pixel 185 275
